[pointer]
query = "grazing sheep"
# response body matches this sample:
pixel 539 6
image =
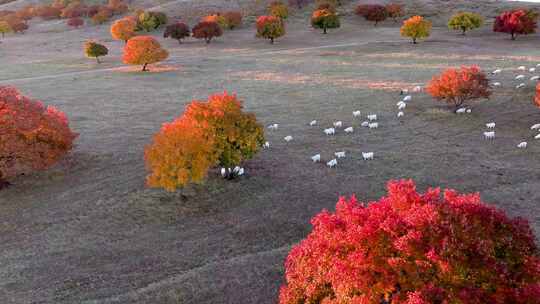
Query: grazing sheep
pixel 330 131
pixel 535 126
pixel 538 65
pixel 365 124
pixel 367 155
pixel 340 154
pixel 400 103
pixel 490 125
pixel 332 163
pixel 316 158
pixel 338 124
pixel 372 117
pixel 496 84
pixel 535 78
pixel 407 98
pixel 468 111
pixel 497 71
pixel 273 127
pixel 402 106
pixel 519 77
pixel 519 86
pixel 223 172
pixel 373 125
pixel 522 68
pixel 537 136
pixel 313 123
pixel 522 145
pixel 349 130
pixel 489 135
pixel 417 89
pixel 288 138
pixel 238 171
pixel 266 145
pixel 461 110
pixel 400 114
pixel 356 113
pixel 532 70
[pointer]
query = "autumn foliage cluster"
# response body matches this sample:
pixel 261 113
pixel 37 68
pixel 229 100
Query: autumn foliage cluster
pixel 516 22
pixel 465 21
pixel 456 86
pixel 123 29
pixel 143 50
pixel 416 28
pixel 325 18
pixel 270 27
pixel 278 9
pixel 372 12
pixel 414 248
pixel 32 136
pixel 209 133
pixel 178 31
pixel 207 30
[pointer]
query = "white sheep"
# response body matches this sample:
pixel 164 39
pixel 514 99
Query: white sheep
pixel 288 138
pixel 522 68
pixel 535 78
pixel 538 65
pixel 400 114
pixel 316 158
pixel 417 89
pixel 338 124
pixel 238 171
pixel 532 70
pixel 365 124
pixel 373 125
pixel 332 163
pixel 400 103
pixel 519 86
pixel 313 123
pixel 468 111
pixel 461 110
pixel 372 117
pixel 489 135
pixel 340 154
pixel 349 130
pixel 407 98
pixel 266 145
pixel 330 131
pixel 519 77
pixel 273 127
pixel 223 172
pixel 535 126
pixel 356 113
pixel 496 84
pixel 497 71
pixel 537 136
pixel 522 145
pixel 402 106
pixel 490 125
pixel 367 155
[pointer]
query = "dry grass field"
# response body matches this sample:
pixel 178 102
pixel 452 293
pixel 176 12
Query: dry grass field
pixel 89 231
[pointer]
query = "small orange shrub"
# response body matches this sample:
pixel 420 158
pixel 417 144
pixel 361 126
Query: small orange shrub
pixel 123 29
pixel 143 50
pixel 456 86
pixel 32 136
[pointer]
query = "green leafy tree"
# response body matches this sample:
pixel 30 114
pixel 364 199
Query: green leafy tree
pixel 325 19
pixel 465 21
pixel 93 49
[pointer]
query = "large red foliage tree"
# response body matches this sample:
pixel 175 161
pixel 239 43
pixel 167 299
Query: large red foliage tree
pixel 414 248
pixel 207 30
pixel 32 136
pixel 516 22
pixel 457 86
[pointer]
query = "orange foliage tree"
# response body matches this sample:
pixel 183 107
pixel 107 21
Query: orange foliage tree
pixel 270 27
pixel 456 86
pixel 123 29
pixel 207 31
pixel 32 136
pixel 143 50
pixel 416 28
pixel 537 96
pixel 209 133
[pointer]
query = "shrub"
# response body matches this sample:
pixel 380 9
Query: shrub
pixel 118 7
pixel 395 11
pixel 92 10
pixel 19 26
pixel 325 19
pixel 516 22
pixel 537 96
pixel 416 28
pixel 270 27
pixel 95 50
pixel 26 13
pixel 456 86
pixel 414 248
pixel 150 21
pixel 75 22
pixel 74 10
pixel 207 31
pixel 102 16
pixel 143 50
pixel 217 18
pixel 278 9
pixel 177 31
pixel 32 136
pixel 465 21
pixel 372 12
pixel 233 19
pixel 48 12
pixel 123 29
pixel 216 132
pixel 5 28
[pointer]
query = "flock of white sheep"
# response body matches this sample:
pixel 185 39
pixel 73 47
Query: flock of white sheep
pixel 372 122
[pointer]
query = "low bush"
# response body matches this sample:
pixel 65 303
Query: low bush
pixel 372 12
pixel 395 11
pixel 233 19
pixel 177 31
pixel 414 248
pixel 32 136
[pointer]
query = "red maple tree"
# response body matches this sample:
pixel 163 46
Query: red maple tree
pixel 516 22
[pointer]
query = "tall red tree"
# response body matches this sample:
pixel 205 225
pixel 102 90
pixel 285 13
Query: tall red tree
pixel 516 22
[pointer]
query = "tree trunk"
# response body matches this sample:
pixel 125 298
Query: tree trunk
pixel 464 30
pixel 97 59
pixel 3 183
pixel 271 40
pixel 144 67
pixel 324 30
pixel 414 40
pixel 3 35
pixel 513 36
pixel 208 40
pixel 179 41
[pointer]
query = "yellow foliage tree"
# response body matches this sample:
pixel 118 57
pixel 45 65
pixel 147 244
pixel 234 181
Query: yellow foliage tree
pixel 416 27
